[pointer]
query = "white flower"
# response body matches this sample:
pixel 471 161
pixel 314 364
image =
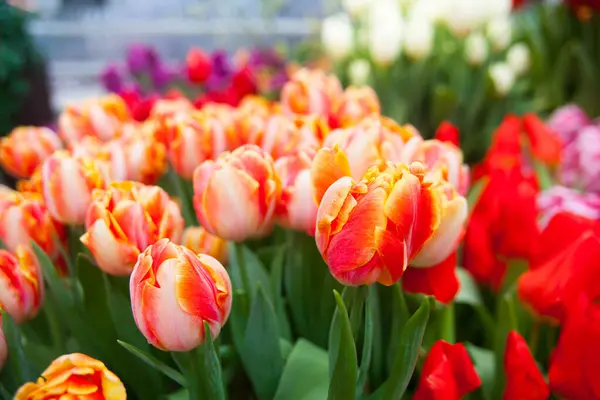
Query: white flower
pixel 518 57
pixel 430 10
pixel 418 38
pixel 476 48
pixel 337 35
pixel 463 16
pixel 356 7
pixel 503 77
pixel 499 31
pixel 386 29
pixel 498 8
pixel 359 71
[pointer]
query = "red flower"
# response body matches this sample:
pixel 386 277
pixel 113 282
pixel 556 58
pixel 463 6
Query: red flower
pixel 524 381
pixel 568 245
pixel 545 144
pixel 439 281
pixel 243 82
pixel 448 373
pixel 198 65
pixel 447 132
pixel 138 106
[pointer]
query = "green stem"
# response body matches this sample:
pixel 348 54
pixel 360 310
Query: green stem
pixel 241 260
pixel 447 326
pixel 193 378
pixel 534 336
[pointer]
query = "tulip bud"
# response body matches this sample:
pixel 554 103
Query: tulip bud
pixel 137 157
pixel 418 39
pixel 499 31
pixel 282 136
pixel 476 49
pixel 463 16
pixel 21 284
pixel 386 32
pixel 310 92
pixel 518 58
pixel 200 241
pixel 198 65
pixel 337 36
pixel 174 291
pixel 226 115
pixel 74 376
pixel 354 105
pixel 297 208
pixel 502 77
pixel 67 185
pixel 23 218
pixel 32 185
pixel 248 172
pixel 102 118
pixel 369 231
pixel 26 148
pixel 126 218
pixel 194 138
pixel 359 71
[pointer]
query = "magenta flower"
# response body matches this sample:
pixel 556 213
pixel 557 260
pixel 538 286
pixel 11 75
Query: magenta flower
pixel 562 199
pixel 567 121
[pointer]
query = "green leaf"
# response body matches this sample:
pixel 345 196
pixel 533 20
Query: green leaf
pixel 279 301
pixel 210 376
pixel 407 355
pixel 401 316
pixel 154 363
pixel 55 283
pixel 378 357
pixel 484 362
pixel 246 269
pixel 16 364
pixel 182 192
pixel 475 192
pixel 365 360
pixel 305 376
pixel 342 353
pixel 543 175
pixel 515 269
pixel 260 350
pixel 469 294
pixel 505 322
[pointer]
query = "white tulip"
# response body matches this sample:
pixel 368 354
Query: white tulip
pixel 519 59
pixel 476 48
pixel 503 77
pixel 356 7
pixel 463 16
pixel 499 31
pixel 418 38
pixel 386 29
pixel 430 10
pixel 337 35
pixel 359 71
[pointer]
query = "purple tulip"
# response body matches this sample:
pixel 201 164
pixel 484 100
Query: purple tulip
pixel 562 199
pixel 112 79
pixel 162 75
pixel 141 58
pixel 266 57
pixel 567 121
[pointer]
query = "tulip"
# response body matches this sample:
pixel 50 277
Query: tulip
pixel 198 65
pixel 32 185
pixel 503 78
pixel 310 92
pixel 194 138
pixel 499 31
pixel 418 39
pixel 356 7
pixel 545 144
pixel 463 16
pixel 248 172
pixel 21 284
pixel 579 167
pixel 568 245
pixel 369 231
pixel 523 378
pixel 297 208
pixel 226 114
pixel 337 36
pixel 354 105
pixel 448 373
pixel 102 118
pixel 200 241
pixel 281 136
pixel 385 36
pixel 67 185
pixel 74 376
pixel 26 148
pixel 519 58
pixel 567 121
pixel 23 218
pixel 174 291
pixel 439 281
pixel 559 199
pixel 359 71
pixel 446 132
pixel 89 147
pixel 476 49
pixel 126 218
pixel 137 157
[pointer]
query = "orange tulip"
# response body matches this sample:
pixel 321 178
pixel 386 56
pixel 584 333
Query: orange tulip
pixel 74 376
pixel 235 196
pixel 67 185
pixel 173 291
pixel 137 157
pixel 102 118
pixel 26 148
pixel 225 114
pixel 23 218
pixel 21 284
pixel 194 138
pixel 356 103
pixel 281 137
pixel 33 184
pixel 200 241
pixel 169 107
pixel 369 231
pixel 310 92
pixel 297 208
pixel 126 218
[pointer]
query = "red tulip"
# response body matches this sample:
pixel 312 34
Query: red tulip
pixel 198 65
pixel 447 132
pixel 524 381
pixel 545 144
pixel 448 373
pixel 439 281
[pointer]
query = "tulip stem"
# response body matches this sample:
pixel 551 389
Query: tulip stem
pixel 447 331
pixel 241 261
pixel 534 337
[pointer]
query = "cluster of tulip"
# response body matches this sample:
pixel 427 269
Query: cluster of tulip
pixel 119 232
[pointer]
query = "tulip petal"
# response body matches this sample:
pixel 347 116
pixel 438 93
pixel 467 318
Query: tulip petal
pixel 334 211
pixel 328 166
